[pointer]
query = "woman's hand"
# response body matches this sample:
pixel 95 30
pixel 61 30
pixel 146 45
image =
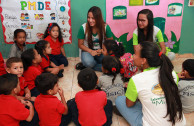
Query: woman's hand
pixel 93 52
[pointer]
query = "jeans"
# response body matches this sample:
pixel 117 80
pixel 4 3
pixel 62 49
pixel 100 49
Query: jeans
pixel 58 59
pixel 133 114
pixel 94 62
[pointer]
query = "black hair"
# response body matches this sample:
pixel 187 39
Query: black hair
pixel 112 65
pixel 141 36
pixel 7 83
pixel 48 29
pixel 27 58
pixel 40 46
pixel 87 79
pixel 45 82
pixel 12 60
pixel 18 31
pixel 150 51
pixel 117 49
pixel 188 65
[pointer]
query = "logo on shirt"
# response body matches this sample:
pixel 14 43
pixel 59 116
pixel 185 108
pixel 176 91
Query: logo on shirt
pixel 157 90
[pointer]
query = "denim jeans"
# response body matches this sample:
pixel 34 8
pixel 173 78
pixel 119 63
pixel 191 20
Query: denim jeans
pixel 133 114
pixel 94 62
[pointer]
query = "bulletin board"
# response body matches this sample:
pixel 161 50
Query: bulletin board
pixel 34 16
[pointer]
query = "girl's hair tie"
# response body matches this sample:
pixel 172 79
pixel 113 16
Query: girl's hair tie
pixel 122 71
pixel 160 54
pixel 49 27
pixel 114 69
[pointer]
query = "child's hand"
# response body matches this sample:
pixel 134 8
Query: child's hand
pixel 29 104
pixel 60 91
pixel 55 70
pixel 61 66
pixel 28 96
pixel 181 75
pixel 32 98
pixel 23 102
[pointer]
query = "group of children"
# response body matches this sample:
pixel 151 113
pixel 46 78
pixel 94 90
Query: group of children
pixel 29 81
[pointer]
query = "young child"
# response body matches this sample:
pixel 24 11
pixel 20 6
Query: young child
pixel 2 65
pixel 54 37
pixel 12 111
pixel 19 46
pixel 112 48
pixel 15 66
pixel 186 85
pixel 44 49
pixel 32 69
pixel 111 80
pixel 50 109
pixel 93 107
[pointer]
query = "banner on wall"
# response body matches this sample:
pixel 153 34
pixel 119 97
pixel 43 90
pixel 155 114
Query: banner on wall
pixel 34 16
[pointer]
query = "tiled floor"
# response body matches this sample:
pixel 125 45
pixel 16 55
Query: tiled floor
pixel 70 86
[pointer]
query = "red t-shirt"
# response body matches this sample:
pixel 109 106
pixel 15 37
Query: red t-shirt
pixel 90 106
pixel 23 85
pixel 2 67
pixel 55 45
pixel 30 75
pixel 50 110
pixel 12 111
pixel 45 62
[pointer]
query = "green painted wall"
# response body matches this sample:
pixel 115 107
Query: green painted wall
pixel 187 31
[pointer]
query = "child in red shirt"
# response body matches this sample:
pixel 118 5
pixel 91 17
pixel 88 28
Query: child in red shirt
pixel 54 36
pixel 32 69
pixel 12 111
pixel 51 111
pixel 92 107
pixel 15 66
pixel 2 67
pixel 44 49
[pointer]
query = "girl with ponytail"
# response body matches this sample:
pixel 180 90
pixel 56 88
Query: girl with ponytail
pixel 155 88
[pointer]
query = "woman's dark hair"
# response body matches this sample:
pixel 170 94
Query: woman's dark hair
pixel 87 79
pixel 112 65
pixel 150 51
pixel 100 24
pixel 40 46
pixel 18 31
pixel 27 57
pixel 188 65
pixel 149 36
pixel 45 82
pixel 116 48
pixel 48 29
pixel 7 83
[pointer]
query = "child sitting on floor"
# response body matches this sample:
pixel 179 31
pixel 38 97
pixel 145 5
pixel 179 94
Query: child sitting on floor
pixel 44 49
pixel 12 111
pixel 92 107
pixel 50 109
pixel 186 85
pixel 32 69
pixel 15 66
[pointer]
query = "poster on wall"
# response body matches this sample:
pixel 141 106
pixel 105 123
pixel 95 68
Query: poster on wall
pixel 175 9
pixel 191 2
pixel 119 12
pixel 152 2
pixel 34 16
pixel 135 2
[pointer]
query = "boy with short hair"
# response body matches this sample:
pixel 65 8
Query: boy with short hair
pixel 93 107
pixel 15 66
pixel 49 107
pixel 12 111
pixel 186 85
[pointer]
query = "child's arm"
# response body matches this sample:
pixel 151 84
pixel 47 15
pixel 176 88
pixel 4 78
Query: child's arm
pixel 53 70
pixel 60 67
pixel 31 109
pixel 63 100
pixel 27 93
pixel 63 51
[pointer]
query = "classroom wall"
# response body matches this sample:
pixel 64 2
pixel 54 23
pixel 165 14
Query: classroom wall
pixel 187 31
pixel 79 10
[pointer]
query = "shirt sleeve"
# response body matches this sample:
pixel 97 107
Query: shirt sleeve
pixel 109 33
pixel 20 112
pixel 81 34
pixel 131 92
pixel 60 108
pixel 160 36
pixel 44 65
pixel 12 52
pixel 135 39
